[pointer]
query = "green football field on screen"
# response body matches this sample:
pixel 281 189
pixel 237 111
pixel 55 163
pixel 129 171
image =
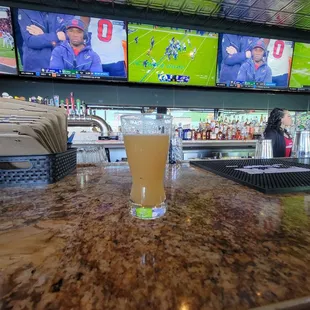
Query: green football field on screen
pixel 201 69
pixel 300 75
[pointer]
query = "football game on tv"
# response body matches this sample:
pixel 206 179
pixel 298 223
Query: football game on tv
pixel 171 55
pixel 7 47
pixel 300 76
pixel 253 62
pixel 61 45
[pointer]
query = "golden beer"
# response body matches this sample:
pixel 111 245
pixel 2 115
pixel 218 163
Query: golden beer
pixel 147 156
pixel 146 139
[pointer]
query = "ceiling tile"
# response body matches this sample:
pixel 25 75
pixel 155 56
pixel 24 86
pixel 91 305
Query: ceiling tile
pixel 251 14
pixel 237 12
pixel 138 2
pixel 279 5
pixel 226 9
pixel 230 1
pixel 264 17
pixel 174 4
pixel 305 9
pixel 293 7
pixel 263 4
pixel 303 22
pixel 190 6
pixel 208 8
pixel 280 18
pixel 156 4
pixel 247 2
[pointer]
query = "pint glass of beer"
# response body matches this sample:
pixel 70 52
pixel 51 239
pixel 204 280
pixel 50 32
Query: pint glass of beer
pixel 146 138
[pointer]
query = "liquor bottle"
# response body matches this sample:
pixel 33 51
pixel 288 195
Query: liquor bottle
pixel 220 134
pixel 84 110
pixel 212 124
pixel 180 131
pixel 176 132
pixel 216 131
pixel 198 135
pixel 185 134
pixel 208 132
pixel 193 134
pixel 229 133
pixel 237 135
pixel 212 134
pixel 247 126
pixel 204 134
pixel 251 130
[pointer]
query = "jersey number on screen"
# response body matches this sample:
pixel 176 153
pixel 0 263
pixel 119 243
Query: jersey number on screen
pixel 105 29
pixel 278 49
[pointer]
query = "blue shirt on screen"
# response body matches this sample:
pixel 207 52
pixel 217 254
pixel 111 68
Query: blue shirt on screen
pixel 37 49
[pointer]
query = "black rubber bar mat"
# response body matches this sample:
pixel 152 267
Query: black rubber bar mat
pixel 270 176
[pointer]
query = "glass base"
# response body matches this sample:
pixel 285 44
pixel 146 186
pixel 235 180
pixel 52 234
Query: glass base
pixel 147 213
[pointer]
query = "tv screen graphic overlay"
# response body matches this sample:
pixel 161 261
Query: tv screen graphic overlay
pixel 253 62
pixel 7 48
pixel 61 45
pixel 300 75
pixel 171 55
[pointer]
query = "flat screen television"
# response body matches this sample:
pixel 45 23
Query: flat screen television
pixel 7 47
pixel 169 55
pixel 253 62
pixel 67 46
pixel 300 75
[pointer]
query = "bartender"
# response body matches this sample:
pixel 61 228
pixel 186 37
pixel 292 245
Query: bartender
pixel 278 121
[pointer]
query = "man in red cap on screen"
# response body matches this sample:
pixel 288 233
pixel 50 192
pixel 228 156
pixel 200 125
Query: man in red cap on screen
pixel 256 68
pixel 74 54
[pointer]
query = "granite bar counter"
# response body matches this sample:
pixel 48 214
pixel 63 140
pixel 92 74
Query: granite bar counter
pixel 73 245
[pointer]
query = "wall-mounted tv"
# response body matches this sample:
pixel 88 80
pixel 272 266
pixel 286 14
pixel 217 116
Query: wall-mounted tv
pixel 253 62
pixel 7 47
pixel 67 46
pixel 300 75
pixel 171 55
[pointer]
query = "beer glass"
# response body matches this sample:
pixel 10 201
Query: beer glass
pixel 146 138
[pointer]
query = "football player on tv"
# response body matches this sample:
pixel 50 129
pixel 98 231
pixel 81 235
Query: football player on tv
pixel 109 40
pixel 74 54
pixel 279 60
pixel 256 69
pixel 41 32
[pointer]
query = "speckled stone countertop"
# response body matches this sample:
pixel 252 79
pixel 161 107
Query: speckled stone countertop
pixel 73 245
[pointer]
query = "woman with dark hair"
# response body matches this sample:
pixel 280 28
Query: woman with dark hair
pixel 276 131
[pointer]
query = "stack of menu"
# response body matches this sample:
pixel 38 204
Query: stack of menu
pixel 31 129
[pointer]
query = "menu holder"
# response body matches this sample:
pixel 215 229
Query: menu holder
pixel 61 115
pixel 43 125
pixel 27 118
pixel 15 144
pixel 27 130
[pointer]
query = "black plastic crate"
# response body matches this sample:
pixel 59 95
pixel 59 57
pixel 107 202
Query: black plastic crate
pixel 268 183
pixel 43 169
